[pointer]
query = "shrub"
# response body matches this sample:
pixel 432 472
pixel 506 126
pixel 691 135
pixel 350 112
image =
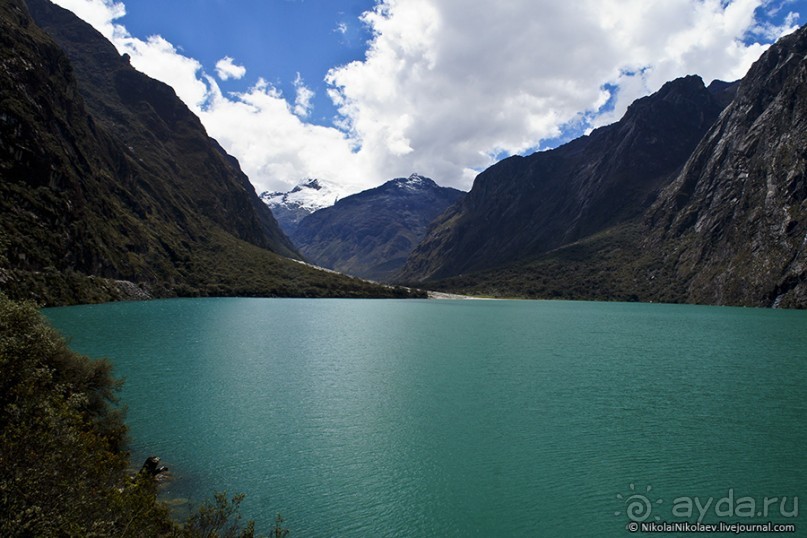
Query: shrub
pixel 63 467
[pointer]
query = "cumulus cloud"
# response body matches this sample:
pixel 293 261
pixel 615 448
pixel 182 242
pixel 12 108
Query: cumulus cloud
pixel 447 87
pixel 226 69
pixel 154 56
pixel 275 145
pixel 160 59
pixel 707 40
pixel 302 99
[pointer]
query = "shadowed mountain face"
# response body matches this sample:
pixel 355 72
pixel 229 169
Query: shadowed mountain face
pixel 524 206
pixel 730 228
pixel 107 175
pixel 733 226
pixel 370 234
pixel 159 132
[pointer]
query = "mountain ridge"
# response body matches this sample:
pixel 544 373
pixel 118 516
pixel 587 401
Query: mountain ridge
pixel 523 206
pixel 729 229
pixel 120 98
pixel 290 207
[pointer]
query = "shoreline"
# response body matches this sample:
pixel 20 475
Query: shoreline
pixel 458 297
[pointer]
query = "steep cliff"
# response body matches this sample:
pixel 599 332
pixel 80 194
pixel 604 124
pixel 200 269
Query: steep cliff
pixel 729 229
pixel 525 206
pixel 733 225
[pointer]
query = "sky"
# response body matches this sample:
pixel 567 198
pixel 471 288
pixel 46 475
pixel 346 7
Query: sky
pixel 356 92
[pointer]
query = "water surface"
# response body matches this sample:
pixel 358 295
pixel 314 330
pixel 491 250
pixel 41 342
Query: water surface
pixel 460 418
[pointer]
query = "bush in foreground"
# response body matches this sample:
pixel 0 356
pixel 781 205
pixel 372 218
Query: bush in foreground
pixel 63 467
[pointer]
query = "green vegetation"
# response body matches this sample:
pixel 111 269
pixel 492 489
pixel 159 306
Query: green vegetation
pixel 63 467
pixel 255 272
pixel 608 266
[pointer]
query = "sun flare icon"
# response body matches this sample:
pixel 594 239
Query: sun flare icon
pixel 638 506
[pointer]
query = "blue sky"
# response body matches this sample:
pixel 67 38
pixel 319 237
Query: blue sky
pixel 274 39
pixel 355 92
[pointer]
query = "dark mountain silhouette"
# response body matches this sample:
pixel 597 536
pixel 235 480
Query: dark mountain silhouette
pixel 524 206
pixel 729 228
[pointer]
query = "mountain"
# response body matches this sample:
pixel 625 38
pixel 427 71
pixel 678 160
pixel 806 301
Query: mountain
pixel 524 206
pixel 733 225
pixel 370 234
pixel 729 229
pixel 289 208
pixel 159 131
pixel 111 188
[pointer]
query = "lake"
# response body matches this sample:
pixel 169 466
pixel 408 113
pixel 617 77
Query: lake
pixel 464 418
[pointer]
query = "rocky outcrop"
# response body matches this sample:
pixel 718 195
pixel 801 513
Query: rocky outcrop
pixel 733 226
pixel 152 466
pixel 153 469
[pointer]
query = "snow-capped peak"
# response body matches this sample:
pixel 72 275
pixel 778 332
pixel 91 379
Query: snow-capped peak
pixel 413 182
pixel 308 184
pixel 289 208
pixel 310 195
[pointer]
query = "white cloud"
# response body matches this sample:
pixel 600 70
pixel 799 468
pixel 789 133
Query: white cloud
pixel 705 40
pixel 276 146
pixel 155 56
pixel 448 86
pixel 160 59
pixel 226 68
pixel 302 99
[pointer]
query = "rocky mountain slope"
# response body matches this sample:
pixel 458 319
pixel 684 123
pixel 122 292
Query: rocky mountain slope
pixel 370 234
pixel 159 131
pixel 730 228
pixel 289 208
pixel 733 226
pixel 524 206
pixel 105 176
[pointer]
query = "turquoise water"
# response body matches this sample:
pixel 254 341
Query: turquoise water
pixel 462 418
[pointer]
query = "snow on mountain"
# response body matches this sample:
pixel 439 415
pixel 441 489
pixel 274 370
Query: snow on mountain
pixel 289 208
pixel 414 182
pixel 370 234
